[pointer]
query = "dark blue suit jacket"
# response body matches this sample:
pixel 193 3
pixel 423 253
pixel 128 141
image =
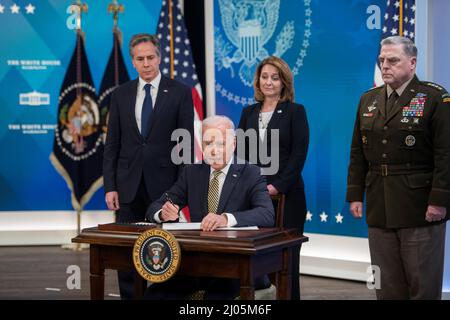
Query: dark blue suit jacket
pixel 244 194
pixel 290 119
pixel 128 156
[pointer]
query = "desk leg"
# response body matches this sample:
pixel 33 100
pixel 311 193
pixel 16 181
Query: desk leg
pixel 97 274
pixel 284 289
pixel 140 285
pixel 247 291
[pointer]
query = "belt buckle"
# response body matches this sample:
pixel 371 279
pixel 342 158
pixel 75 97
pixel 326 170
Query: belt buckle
pixel 384 170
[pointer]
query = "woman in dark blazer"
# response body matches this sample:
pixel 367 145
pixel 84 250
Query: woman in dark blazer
pixel 275 109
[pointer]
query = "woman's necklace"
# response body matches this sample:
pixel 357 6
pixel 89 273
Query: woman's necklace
pixel 264 120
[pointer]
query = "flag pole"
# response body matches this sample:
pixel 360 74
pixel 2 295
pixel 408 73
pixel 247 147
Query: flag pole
pixel 76 246
pixel 82 7
pixel 115 8
pixel 400 21
pixel 172 67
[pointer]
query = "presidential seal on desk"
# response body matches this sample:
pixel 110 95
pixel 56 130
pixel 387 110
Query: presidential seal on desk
pixel 156 255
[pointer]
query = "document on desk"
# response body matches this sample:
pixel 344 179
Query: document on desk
pixel 196 226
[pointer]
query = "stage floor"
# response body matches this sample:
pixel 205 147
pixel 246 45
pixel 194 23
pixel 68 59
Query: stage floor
pixel 41 273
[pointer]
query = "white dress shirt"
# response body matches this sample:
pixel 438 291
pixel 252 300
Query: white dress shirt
pixel 140 96
pixel 231 220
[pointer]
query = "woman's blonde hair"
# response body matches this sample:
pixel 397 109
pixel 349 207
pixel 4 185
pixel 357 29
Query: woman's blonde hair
pixel 287 92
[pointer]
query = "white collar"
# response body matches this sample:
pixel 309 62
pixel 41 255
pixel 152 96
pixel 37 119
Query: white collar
pixel 224 170
pixel 155 82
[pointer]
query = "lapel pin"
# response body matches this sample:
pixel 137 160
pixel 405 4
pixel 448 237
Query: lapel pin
pixel 280 111
pixel 234 175
pixel 165 90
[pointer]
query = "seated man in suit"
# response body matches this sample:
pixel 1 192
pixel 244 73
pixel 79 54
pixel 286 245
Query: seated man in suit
pixel 219 193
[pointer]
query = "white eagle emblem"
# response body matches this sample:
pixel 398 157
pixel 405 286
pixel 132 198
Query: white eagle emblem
pixel 249 25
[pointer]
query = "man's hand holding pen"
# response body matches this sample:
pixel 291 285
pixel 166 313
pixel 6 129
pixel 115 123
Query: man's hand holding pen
pixel 170 211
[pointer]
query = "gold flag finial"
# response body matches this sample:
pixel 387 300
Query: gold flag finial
pixel 115 8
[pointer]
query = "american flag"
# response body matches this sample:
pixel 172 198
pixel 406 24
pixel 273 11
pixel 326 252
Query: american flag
pixel 399 20
pixel 177 62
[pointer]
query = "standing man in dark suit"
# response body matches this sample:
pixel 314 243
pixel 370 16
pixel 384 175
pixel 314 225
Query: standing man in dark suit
pixel 219 193
pixel 137 166
pixel 400 159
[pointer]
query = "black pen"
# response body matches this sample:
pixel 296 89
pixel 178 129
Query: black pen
pixel 170 200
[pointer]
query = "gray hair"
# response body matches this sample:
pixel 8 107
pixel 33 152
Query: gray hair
pixel 144 37
pixel 409 48
pixel 217 121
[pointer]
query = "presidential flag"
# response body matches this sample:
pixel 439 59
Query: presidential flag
pixel 115 74
pixel 177 62
pixel 399 20
pixel 77 147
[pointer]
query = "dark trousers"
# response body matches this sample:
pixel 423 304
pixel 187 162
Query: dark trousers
pixel 180 287
pixel 410 260
pixel 132 212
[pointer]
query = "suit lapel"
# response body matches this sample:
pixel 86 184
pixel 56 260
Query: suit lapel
pixel 278 114
pixel 230 182
pixel 254 117
pixel 404 99
pixel 203 194
pixel 130 101
pixel 161 96
pixel 274 123
pixel 381 100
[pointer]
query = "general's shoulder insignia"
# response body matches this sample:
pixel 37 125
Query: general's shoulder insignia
pixel 156 255
pixel 434 85
pixel 446 97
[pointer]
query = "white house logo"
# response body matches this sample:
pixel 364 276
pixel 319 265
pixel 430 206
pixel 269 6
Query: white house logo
pixel 34 99
pixel 250 27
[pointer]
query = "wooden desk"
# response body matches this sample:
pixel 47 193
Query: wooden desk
pixel 225 254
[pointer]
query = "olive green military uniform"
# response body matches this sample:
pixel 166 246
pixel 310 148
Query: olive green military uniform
pixel 400 161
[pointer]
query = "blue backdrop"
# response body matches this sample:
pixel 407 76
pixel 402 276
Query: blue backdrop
pixel 327 44
pixel 332 53
pixel 36 47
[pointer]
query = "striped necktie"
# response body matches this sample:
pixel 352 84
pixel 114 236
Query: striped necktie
pixel 213 192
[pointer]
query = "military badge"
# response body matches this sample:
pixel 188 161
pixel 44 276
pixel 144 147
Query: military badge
pixel 416 106
pixel 156 255
pixel 373 106
pixel 434 85
pixel 364 139
pixel 405 120
pixel 410 140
